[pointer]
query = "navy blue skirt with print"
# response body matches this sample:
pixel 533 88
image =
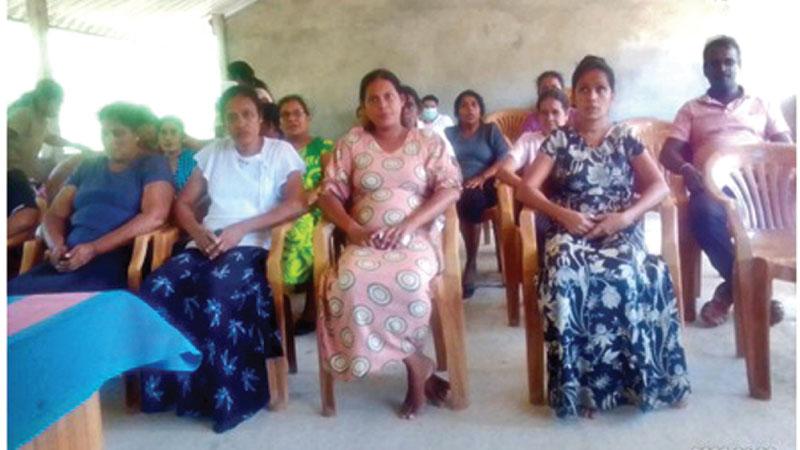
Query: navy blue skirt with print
pixel 225 307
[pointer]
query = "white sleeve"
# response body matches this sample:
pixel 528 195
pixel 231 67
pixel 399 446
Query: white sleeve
pixel 288 161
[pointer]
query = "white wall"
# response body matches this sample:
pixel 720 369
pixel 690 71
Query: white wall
pixel 322 48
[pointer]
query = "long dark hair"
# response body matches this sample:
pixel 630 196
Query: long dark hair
pixel 591 62
pixel 377 74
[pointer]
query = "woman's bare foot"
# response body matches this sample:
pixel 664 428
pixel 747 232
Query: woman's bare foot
pixel 437 390
pixel 419 368
pixel 587 413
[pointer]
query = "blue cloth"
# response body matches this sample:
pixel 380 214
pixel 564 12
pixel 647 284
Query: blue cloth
pixel 225 307
pixel 58 363
pixel 478 152
pixel 106 200
pixel 186 163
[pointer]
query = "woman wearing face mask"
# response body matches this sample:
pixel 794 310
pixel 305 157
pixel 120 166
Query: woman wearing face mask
pixel 104 205
pixel 610 314
pixel 551 107
pixel 479 148
pixel 170 142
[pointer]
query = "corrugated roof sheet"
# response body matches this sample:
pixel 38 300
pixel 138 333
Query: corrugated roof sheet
pixel 123 18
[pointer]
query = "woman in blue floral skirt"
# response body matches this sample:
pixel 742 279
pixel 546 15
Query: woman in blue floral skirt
pixel 215 291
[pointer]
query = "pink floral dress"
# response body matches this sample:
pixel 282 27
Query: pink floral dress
pixel 379 301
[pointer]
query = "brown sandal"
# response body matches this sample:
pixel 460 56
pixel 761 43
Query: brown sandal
pixel 715 312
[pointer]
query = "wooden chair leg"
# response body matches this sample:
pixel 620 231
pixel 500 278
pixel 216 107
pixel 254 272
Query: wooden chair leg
pixel 438 336
pixel 278 368
pixel 740 287
pixel 325 382
pixel 291 350
pixel 756 299
pixel 534 340
pixel 690 266
pixel 486 230
pixel 277 373
pixel 512 275
pixel 452 320
pixel 133 392
pixel 498 247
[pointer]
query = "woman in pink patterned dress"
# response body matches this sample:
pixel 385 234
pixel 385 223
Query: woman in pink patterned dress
pixel 396 182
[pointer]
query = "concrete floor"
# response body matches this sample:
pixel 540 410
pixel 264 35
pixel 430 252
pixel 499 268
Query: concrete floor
pixel 720 415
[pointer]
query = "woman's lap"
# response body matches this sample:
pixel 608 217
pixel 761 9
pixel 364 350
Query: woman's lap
pixel 104 272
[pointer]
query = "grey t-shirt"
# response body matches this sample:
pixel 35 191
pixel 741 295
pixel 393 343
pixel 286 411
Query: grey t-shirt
pixel 478 152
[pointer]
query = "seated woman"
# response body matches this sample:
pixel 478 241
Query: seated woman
pixel 105 204
pixel 396 182
pixel 170 142
pixel 479 148
pixel 298 259
pixel 215 291
pixel 611 322
pixel 552 109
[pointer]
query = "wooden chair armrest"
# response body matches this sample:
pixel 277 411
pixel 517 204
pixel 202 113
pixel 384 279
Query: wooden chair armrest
pixel 33 251
pixel 140 247
pixel 450 243
pixel 323 249
pixel 274 261
pixel 530 252
pixel 165 240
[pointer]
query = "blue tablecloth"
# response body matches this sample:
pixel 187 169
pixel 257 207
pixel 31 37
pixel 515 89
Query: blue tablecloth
pixel 56 364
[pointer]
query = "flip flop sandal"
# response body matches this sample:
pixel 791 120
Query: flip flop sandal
pixel 714 313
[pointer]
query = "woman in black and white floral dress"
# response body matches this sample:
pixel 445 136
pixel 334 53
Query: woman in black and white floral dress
pixel 611 320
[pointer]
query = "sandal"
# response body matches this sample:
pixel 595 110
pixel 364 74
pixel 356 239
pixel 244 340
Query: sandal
pixel 468 290
pixel 775 312
pixel 715 312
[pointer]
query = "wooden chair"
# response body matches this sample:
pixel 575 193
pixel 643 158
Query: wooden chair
pixel 277 368
pixel 534 330
pixel 510 122
pixel 757 184
pixel 447 318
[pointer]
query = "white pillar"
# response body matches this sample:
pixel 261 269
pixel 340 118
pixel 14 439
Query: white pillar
pixel 37 18
pixel 218 26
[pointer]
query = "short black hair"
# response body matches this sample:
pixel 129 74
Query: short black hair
pixel 237 91
pixel 555 94
pixel 473 94
pixel 721 41
pixel 549 74
pixel 591 62
pixel 431 97
pixel 411 92
pixel 128 114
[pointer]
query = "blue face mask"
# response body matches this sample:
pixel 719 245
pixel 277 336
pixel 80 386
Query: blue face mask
pixel 429 114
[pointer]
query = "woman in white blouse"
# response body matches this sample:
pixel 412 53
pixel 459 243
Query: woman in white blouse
pixel 215 291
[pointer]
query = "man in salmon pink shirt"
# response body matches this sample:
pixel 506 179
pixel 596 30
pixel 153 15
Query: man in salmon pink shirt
pixel 725 115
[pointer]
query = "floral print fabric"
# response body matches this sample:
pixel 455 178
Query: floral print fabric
pixel 612 330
